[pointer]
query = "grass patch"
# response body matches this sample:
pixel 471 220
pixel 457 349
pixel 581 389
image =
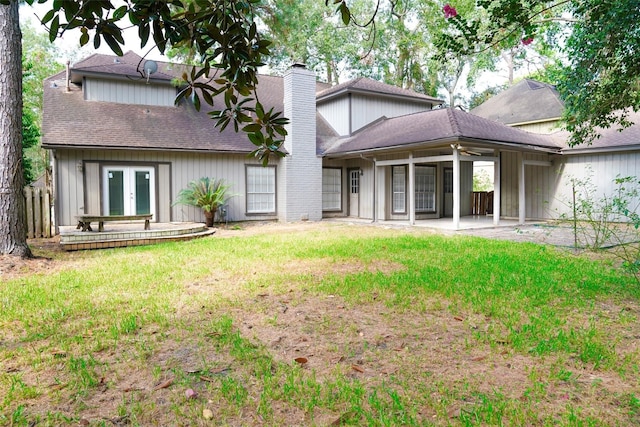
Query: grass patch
pixel 388 327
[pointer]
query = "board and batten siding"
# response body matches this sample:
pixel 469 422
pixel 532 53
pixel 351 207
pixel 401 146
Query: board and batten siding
pixel 601 169
pixel 367 109
pixel 541 127
pixel 336 113
pixel 123 92
pixel 350 113
pixel 539 184
pixel 79 189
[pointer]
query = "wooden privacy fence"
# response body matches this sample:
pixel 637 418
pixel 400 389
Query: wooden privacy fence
pixel 38 208
pixel 482 202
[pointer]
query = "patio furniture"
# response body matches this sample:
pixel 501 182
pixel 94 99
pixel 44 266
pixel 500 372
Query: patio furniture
pixel 84 221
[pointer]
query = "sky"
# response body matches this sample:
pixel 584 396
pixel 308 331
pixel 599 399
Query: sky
pixel 69 43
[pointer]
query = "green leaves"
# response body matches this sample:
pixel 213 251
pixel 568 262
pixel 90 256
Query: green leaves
pixel 600 86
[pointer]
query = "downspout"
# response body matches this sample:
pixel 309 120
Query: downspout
pixel 375 186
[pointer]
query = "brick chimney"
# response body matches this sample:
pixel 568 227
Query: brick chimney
pixel 300 172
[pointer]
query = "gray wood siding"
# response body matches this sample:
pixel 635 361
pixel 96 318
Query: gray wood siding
pixel 539 183
pixel 602 169
pixel 124 92
pixel 173 172
pixel 91 189
pixel 544 127
pixel 466 187
pixel 366 109
pixel 509 184
pixel 336 113
pixel 164 197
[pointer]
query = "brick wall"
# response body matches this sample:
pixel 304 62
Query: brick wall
pixel 300 173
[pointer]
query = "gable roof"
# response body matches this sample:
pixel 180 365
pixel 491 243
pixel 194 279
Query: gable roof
pixel 71 121
pixel 438 127
pixel 525 102
pixel 130 65
pixel 369 86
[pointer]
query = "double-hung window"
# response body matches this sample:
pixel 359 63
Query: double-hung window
pixel 331 189
pixel 399 188
pixel 261 190
pixel 425 190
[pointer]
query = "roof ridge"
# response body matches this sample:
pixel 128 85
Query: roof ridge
pixel 453 120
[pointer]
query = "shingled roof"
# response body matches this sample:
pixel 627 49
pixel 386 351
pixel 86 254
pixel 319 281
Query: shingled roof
pixel 368 86
pixel 71 121
pixel 441 126
pixel 525 102
pixel 129 65
pixel 611 139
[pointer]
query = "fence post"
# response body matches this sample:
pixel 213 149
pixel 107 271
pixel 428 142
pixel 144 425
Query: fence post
pixel 46 218
pixel 37 212
pixel 28 194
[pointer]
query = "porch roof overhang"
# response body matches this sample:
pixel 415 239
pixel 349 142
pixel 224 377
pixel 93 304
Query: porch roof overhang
pixel 444 144
pixel 439 129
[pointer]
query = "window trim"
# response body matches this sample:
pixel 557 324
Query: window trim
pixel 275 191
pixel 339 208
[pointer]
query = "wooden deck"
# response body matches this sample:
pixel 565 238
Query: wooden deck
pixel 118 235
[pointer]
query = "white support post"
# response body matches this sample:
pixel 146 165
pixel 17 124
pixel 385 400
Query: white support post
pixel 496 190
pixel 412 193
pixel 522 207
pixel 456 188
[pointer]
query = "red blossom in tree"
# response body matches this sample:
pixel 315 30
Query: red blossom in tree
pixel 449 11
pixel 527 41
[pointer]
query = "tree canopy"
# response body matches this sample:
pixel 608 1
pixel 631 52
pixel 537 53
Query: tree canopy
pixel 600 41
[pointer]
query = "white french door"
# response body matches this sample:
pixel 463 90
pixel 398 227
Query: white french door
pixel 129 190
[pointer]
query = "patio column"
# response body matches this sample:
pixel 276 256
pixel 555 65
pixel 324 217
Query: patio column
pixel 456 188
pixel 496 189
pixel 522 204
pixel 412 193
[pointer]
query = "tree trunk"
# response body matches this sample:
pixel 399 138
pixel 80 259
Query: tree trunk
pixel 209 217
pixel 13 236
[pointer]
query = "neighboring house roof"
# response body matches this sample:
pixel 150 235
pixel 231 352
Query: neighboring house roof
pixel 611 139
pixel 528 101
pixel 367 86
pixel 434 127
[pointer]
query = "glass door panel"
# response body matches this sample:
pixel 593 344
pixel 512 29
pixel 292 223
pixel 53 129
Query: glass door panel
pixel 116 192
pixel 143 192
pixel 129 190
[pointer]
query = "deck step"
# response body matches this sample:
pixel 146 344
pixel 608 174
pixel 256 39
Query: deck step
pixel 74 241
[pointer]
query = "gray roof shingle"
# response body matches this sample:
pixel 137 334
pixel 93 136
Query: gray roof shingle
pixel 71 121
pixel 526 101
pixel 438 127
pixel 366 85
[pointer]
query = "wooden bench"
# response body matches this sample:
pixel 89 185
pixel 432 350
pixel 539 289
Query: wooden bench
pixel 84 221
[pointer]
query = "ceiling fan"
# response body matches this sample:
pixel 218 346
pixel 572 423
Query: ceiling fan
pixel 465 151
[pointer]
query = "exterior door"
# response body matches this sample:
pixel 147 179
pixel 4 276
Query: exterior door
pixel 129 190
pixel 354 192
pixel 448 192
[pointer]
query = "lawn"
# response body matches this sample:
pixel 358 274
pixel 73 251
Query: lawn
pixel 325 324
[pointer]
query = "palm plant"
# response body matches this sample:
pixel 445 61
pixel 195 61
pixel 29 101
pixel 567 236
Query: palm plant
pixel 205 193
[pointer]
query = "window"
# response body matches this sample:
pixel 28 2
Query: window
pixel 331 189
pixel 399 185
pixel 261 190
pixel 425 188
